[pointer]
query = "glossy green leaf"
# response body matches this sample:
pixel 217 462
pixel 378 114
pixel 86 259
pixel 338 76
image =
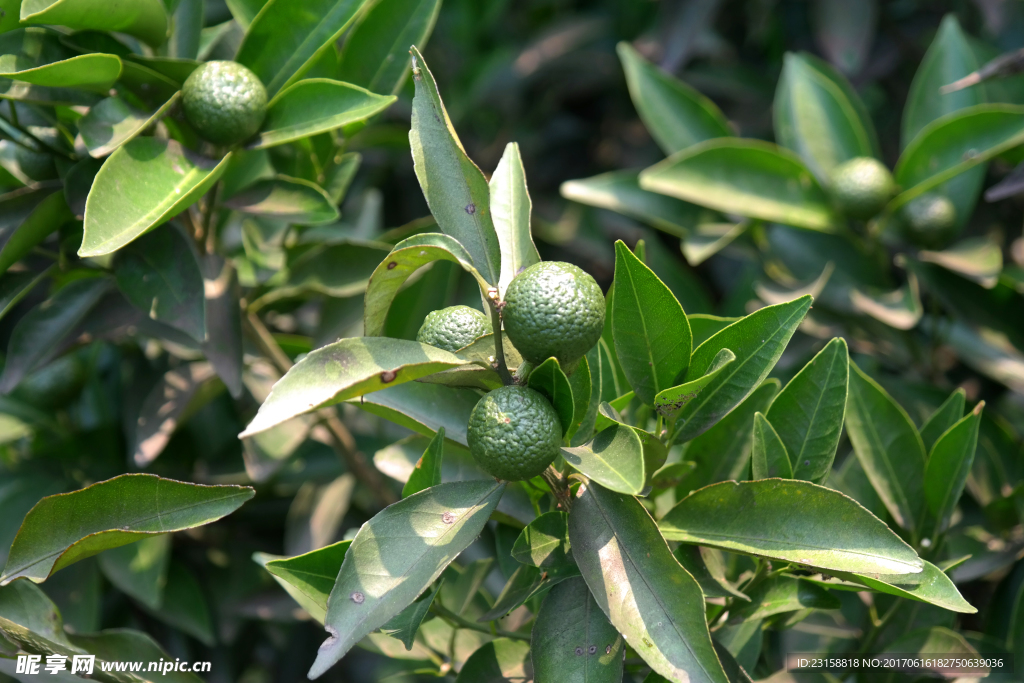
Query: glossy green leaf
pixel 746 177
pixel 279 58
pixel 308 578
pixel 947 415
pixel 141 185
pixel 175 69
pixel 676 115
pixel 670 402
pixel 186 29
pixel 712 583
pixel 651 332
pixel 30 619
pixel 757 341
pixel 510 212
pixel 113 122
pixel 808 413
pixel 544 542
pixel 888 447
pixel 347 369
pixel 815 117
pixel 139 569
pixel 647 596
pixel 768 456
pixel 585 417
pixel 424 408
pixel 780 594
pixel 145 19
pixel 65 528
pixel 931 586
pixel 582 392
pixel 572 640
pixel 292 200
pixel 37 63
pixel 455 189
pixel 526 582
pixel 949 463
pixel 316 105
pixel 376 50
pixel 427 472
pixel 708 239
pixel 19 237
pixel 244 11
pixel 397 555
pixel 975 258
pixel 832 531
pixel 548 379
pixel 404 625
pixel 337 270
pixel 949 58
pixel 36 335
pixel 614 458
pixel 502 660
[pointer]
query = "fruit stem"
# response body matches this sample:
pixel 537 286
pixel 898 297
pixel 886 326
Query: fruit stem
pixel 499 345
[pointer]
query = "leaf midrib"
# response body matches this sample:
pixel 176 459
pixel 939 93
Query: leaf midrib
pixel 814 415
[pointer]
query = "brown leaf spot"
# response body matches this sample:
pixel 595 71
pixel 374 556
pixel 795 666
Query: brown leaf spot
pixel 357 597
pixel 448 518
pixel 388 376
pixel 471 208
pixel 392 265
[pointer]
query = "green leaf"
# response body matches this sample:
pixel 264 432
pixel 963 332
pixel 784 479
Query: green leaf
pixel 758 341
pixel 815 117
pixel 502 660
pixel 947 415
pixel 808 413
pixel 676 115
pixel 375 51
pixel 900 308
pixel 292 200
pixel 37 61
pixel 68 527
pixel 144 19
pixel 614 458
pixel 746 177
pixel 510 211
pixel 424 408
pixel 139 569
pixel 651 332
pixel 158 273
pixel 397 555
pixel 931 586
pixel 337 270
pixel 948 466
pixel 582 393
pixel 121 645
pixel 113 122
pixel 780 594
pixel 975 258
pixel 548 379
pixel 36 336
pixel 620 191
pixel 186 30
pixel 185 606
pixel 427 472
pixel 403 626
pixel 279 58
pixel 316 105
pixel 308 578
pixel 888 447
pixel 949 58
pixel 768 458
pixel 141 185
pixel 30 619
pixel 347 369
pixel 706 566
pixel 572 640
pixel 544 542
pixel 244 11
pixel 178 394
pixel 18 237
pixel 709 239
pixel 455 189
pixel 15 286
pixel 832 531
pixel 670 402
pixel 648 597
pixel 934 640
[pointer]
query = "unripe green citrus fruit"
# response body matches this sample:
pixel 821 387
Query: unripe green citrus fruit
pixel 453 328
pixel 554 309
pixel 224 101
pixel 861 187
pixel 514 433
pixel 929 220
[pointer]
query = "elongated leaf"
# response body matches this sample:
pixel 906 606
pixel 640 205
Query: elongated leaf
pixel 572 640
pixel 406 258
pixel 15 285
pixel 95 72
pixel 582 392
pixel 141 185
pixel 427 472
pixel 815 118
pixel 947 415
pixel 888 447
pixel 20 237
pixel 293 200
pixel 145 19
pixel 316 105
pixel 900 308
pixel 832 531
pixel 185 606
pixel 502 660
pixel 651 332
pixel 279 58
pixel 976 258
pixel 614 458
pixel 113 122
pixel 121 645
pixel 122 510
pixel 676 115
pixel 337 270
pixel 139 569
pixel 931 586
pixel 746 177
pixel 397 555
pixel 456 190
pixel 308 578
pixel 647 596
pixel 712 581
pixel 671 401
pixel 757 341
pixel 510 212
pixel 949 58
pixel 223 345
pixel 404 625
pixel 173 399
pixel 768 457
pixel 783 594
pixel 424 408
pixel 347 369
pixel 544 542
pixel 548 379
pixel 949 463
pixel 808 413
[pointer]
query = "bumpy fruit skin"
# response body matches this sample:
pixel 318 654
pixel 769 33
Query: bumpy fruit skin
pixel 453 327
pixel 224 101
pixel 514 433
pixel 861 187
pixel 929 220
pixel 554 309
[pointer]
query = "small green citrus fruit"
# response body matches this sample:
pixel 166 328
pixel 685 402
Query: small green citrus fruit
pixel 554 309
pixel 929 220
pixel 514 433
pixel 224 101
pixel 861 187
pixel 453 328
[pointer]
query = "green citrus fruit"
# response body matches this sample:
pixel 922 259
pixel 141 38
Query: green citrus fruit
pixel 224 101
pixel 929 220
pixel 35 165
pixel 861 187
pixel 514 433
pixel 453 327
pixel 554 309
